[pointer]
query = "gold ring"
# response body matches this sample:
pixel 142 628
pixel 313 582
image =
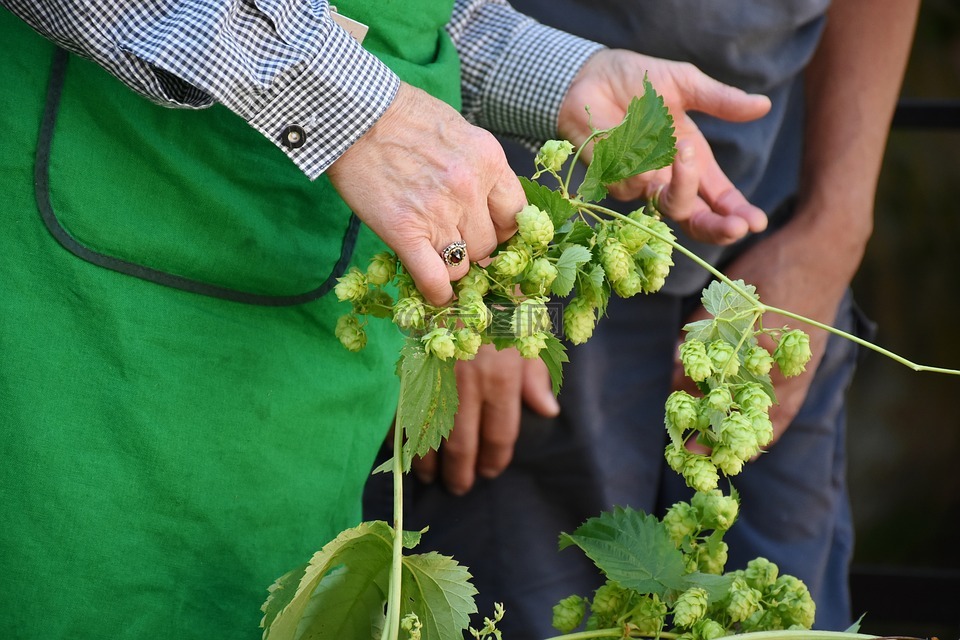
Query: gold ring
pixel 655 199
pixel 454 253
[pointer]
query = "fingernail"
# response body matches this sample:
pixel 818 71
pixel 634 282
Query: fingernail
pixel 686 153
pixel 488 472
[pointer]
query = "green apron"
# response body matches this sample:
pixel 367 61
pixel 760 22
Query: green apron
pixel 179 424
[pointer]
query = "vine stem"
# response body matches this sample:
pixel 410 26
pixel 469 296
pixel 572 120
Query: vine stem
pixel 391 627
pixel 763 308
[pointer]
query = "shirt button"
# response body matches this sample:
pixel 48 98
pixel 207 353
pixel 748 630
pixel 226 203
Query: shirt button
pixel 293 137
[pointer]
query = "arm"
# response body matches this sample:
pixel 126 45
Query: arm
pixel 852 86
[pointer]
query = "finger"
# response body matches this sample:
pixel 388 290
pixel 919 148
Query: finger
pixel 679 199
pixel 460 449
pixel 456 256
pixel 425 467
pixel 504 200
pixel 711 96
pixel 498 434
pixel 431 276
pixel 537 389
pixel 709 227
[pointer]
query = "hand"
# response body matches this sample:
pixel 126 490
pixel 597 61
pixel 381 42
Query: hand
pixel 492 388
pixel 694 191
pixel 421 178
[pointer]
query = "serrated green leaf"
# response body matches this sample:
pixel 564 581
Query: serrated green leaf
pixel 631 548
pixel 723 301
pixel 715 586
pixel 593 283
pixel 439 591
pixel 642 142
pixel 365 552
pixel 428 398
pixel 559 208
pixel 340 594
pixel 554 355
pixel 572 257
pixel 578 232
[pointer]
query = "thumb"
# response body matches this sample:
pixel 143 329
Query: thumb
pixel 721 100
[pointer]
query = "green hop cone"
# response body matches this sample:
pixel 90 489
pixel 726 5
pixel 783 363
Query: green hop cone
pixel 568 613
pixel 690 607
pixel 629 286
pixel 475 282
pixel 466 344
pixel 758 361
pixel 676 457
pixel 680 415
pixel 530 317
pixel 709 630
pixel 793 352
pixel 412 625
pixel 351 286
pixel 736 432
pixel 539 277
pixel 382 268
pixel 762 427
pixel 654 270
pixel 681 520
pixel 791 599
pixel 719 399
pixel 753 396
pixel 535 226
pixel 475 315
pixel 712 556
pixel 632 237
pixel 696 364
pixel 553 154
pixel 744 600
pixel 531 346
pixel 409 313
pixel 700 473
pixel 439 343
pixel 616 260
pixel 726 460
pixel 647 615
pixel 724 358
pixel 715 510
pixel 349 332
pixel 761 573
pixel 511 263
pixel 609 600
pixel 579 320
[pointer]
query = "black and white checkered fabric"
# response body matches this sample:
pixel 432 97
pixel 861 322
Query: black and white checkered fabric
pixel 278 63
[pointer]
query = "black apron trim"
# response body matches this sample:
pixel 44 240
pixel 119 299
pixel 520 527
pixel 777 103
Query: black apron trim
pixel 71 244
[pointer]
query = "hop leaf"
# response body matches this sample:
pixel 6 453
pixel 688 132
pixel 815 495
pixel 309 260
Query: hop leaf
pixel 793 352
pixel 568 613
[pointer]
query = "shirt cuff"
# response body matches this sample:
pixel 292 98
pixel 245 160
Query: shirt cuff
pixel 526 87
pixel 315 113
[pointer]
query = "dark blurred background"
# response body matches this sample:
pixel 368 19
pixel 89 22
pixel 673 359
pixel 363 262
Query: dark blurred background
pixel 904 426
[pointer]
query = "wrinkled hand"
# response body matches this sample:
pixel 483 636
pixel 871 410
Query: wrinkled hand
pixel 694 191
pixel 492 388
pixel 423 177
pixel 792 270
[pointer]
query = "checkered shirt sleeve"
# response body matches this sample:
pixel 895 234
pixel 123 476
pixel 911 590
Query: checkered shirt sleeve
pixel 515 71
pixel 285 63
